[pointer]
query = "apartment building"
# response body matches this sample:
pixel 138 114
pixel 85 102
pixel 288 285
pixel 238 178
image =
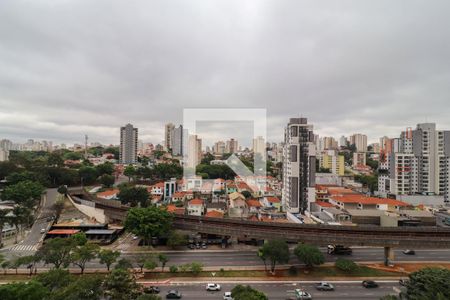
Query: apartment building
pixel 128 144
pixel 360 141
pixel 299 166
pixel 331 160
pixel 168 136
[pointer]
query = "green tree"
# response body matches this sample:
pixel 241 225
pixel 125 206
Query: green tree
pixel 173 269
pixel 108 257
pixel 56 251
pixel 58 208
pixel 246 194
pixel 107 180
pixel 79 238
pixel 124 264
pixel 55 159
pixel 196 268
pixel 83 254
pixel 133 195
pixel 141 260
pixel 23 291
pixel 6 168
pixel 130 172
pixel 429 284
pixel 176 239
pixel 148 222
pixel 275 251
pixel 5 266
pixel 84 287
pixel 88 174
pixel 120 285
pixel 389 297
pixel 263 257
pixel 346 265
pixel 150 265
pixel 163 259
pixel 106 168
pixel 20 217
pixel 30 261
pixel 72 156
pixel 148 297
pixel 241 292
pixel 62 189
pixel 309 255
pixel 55 279
pixel 24 193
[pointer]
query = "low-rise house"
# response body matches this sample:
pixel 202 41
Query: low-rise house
pixel 178 197
pixel 176 210
pixel 237 206
pixel 196 207
pixel 109 194
pixel 156 189
pixel 253 205
pixel 360 201
pixel 217 206
pixel 272 202
pixel 231 187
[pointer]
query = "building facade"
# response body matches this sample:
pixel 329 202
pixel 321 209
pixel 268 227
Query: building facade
pixel 299 166
pixel 128 144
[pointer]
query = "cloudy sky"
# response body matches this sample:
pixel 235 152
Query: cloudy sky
pixel 73 67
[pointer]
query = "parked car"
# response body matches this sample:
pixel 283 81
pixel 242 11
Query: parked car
pixel 369 284
pixel 173 294
pixel 325 286
pixel 191 246
pixel 403 282
pixel 213 287
pixel 197 246
pixel 409 252
pixel 204 245
pixel 152 290
pixel 227 296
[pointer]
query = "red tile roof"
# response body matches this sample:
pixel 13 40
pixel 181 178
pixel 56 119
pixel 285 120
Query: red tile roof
pixel 214 214
pixel 273 199
pixel 358 198
pixel 108 193
pixel 196 202
pixel 63 231
pixel 324 204
pixel 253 203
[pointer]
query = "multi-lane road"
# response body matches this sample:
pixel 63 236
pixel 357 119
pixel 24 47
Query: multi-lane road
pixel 249 258
pixel 279 290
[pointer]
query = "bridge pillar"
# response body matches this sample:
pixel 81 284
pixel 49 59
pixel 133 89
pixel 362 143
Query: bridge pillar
pixel 388 255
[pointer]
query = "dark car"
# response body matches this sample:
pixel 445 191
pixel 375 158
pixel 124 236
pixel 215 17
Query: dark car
pixel 191 246
pixel 369 284
pixel 173 294
pixel 409 252
pixel 152 290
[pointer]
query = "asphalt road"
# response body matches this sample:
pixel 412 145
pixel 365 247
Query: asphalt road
pixel 30 244
pixel 279 290
pixel 440 217
pixel 249 258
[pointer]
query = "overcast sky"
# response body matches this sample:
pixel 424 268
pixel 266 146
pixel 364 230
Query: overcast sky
pixel 69 68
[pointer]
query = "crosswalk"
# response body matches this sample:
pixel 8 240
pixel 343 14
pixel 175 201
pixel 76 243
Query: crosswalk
pixel 21 247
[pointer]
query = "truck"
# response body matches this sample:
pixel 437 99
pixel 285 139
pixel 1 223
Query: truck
pixel 339 250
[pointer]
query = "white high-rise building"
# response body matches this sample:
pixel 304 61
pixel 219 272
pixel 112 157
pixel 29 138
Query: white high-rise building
pixel 259 146
pixel 4 155
pixel 299 166
pixel 128 144
pixel 194 155
pixel 417 163
pixel 360 141
pixel 343 142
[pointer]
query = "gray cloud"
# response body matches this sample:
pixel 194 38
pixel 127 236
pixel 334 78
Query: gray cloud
pixel 74 67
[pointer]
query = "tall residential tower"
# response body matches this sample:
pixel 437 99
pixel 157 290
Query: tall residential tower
pixel 128 144
pixel 299 166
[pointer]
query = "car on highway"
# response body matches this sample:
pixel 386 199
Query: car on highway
pixel 213 287
pixel 227 296
pixel 302 295
pixel 152 290
pixel 403 282
pixel 409 252
pixel 173 294
pixel 324 286
pixel 368 284
pixel 43 230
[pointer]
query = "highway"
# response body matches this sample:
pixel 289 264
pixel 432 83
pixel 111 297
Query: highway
pixel 249 258
pixel 278 290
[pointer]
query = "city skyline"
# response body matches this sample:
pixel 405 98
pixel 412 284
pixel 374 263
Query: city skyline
pixel 131 68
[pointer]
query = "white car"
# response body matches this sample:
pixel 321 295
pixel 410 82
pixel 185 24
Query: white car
pixel 227 296
pixel 42 230
pixel 212 287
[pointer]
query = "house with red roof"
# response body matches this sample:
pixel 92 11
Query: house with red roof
pixel 156 189
pixel 272 202
pixel 196 207
pixel 253 205
pixel 214 214
pixel 360 201
pixel 109 194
